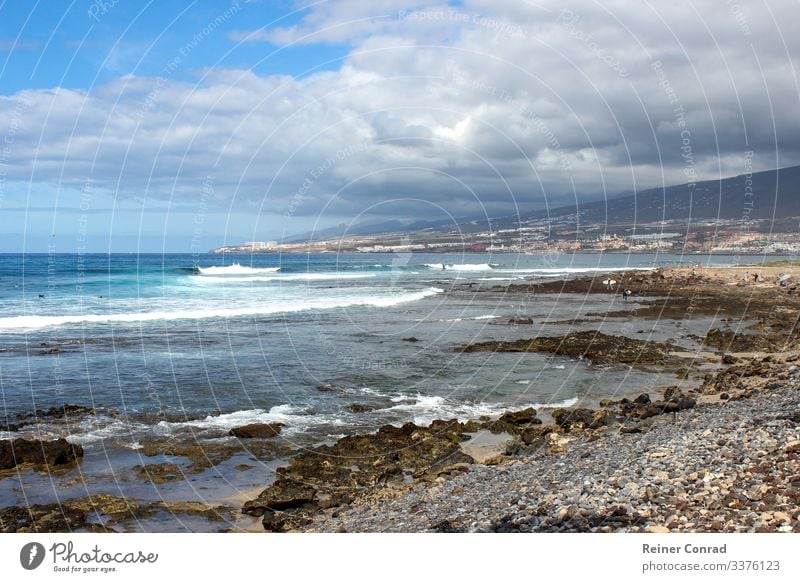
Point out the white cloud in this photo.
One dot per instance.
(510, 99)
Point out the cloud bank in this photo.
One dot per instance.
(489, 107)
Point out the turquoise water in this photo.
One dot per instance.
(258, 335)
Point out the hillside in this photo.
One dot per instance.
(775, 193)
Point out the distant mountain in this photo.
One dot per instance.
(775, 194)
(368, 228)
(769, 195)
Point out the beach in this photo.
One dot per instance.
(687, 420)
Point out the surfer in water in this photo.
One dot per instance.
(626, 293)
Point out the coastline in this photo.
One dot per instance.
(435, 478)
(724, 456)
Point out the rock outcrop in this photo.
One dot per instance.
(50, 453)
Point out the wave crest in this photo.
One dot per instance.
(235, 269)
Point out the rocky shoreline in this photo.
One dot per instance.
(696, 461)
(720, 455)
(733, 466)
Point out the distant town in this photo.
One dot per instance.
(559, 234)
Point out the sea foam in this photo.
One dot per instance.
(236, 269)
(261, 308)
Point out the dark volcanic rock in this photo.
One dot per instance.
(672, 394)
(64, 411)
(411, 339)
(52, 518)
(283, 521)
(642, 399)
(597, 347)
(50, 453)
(728, 340)
(535, 435)
(284, 494)
(520, 417)
(357, 464)
(358, 408)
(257, 431)
(569, 418)
(655, 409)
(513, 422)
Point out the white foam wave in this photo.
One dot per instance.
(114, 429)
(236, 269)
(457, 319)
(460, 267)
(293, 277)
(425, 409)
(556, 404)
(264, 308)
(285, 413)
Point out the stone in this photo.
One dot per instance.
(284, 494)
(359, 408)
(520, 417)
(257, 431)
(568, 418)
(535, 435)
(283, 521)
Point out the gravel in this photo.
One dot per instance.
(728, 467)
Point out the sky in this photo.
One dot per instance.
(181, 126)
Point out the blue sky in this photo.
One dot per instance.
(79, 44)
(129, 126)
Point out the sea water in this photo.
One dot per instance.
(188, 347)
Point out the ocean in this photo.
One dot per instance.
(328, 345)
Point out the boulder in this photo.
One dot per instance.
(283, 521)
(257, 431)
(283, 494)
(655, 409)
(603, 418)
(568, 418)
(520, 417)
(672, 394)
(535, 435)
